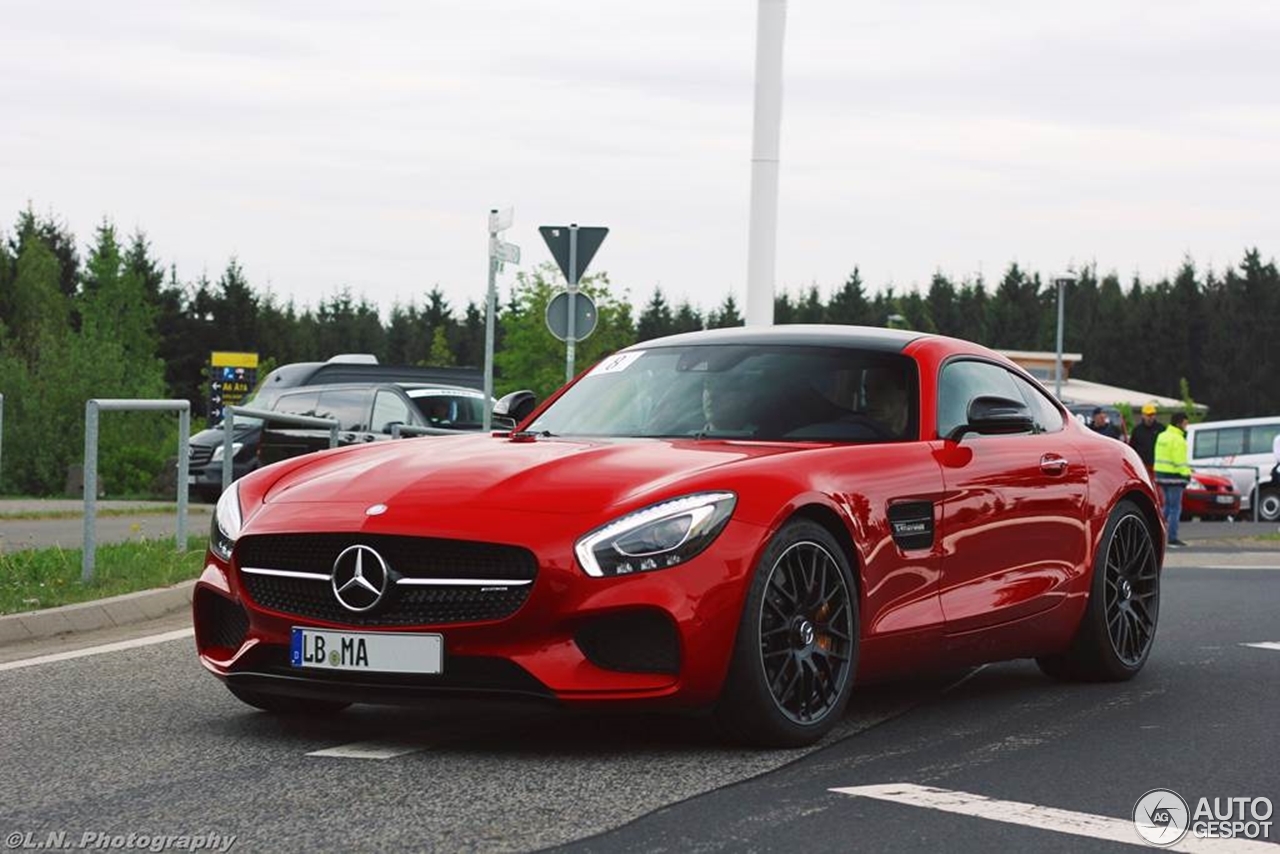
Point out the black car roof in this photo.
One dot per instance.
(797, 334)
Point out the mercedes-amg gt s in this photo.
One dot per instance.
(746, 520)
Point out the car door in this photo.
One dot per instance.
(1013, 519)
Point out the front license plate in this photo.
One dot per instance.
(376, 652)
(1225, 499)
(191, 480)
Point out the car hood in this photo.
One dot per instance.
(547, 475)
(1215, 480)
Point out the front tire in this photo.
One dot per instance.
(284, 705)
(1269, 504)
(1119, 624)
(796, 651)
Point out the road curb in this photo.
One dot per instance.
(120, 610)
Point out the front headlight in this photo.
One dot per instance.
(217, 451)
(1195, 484)
(225, 528)
(656, 537)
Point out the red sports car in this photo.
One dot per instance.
(747, 520)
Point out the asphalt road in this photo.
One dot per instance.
(157, 522)
(142, 740)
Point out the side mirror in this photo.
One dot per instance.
(515, 407)
(990, 415)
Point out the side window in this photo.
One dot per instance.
(1261, 437)
(348, 406)
(961, 382)
(1205, 445)
(1048, 417)
(1230, 441)
(389, 409)
(301, 403)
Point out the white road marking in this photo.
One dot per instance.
(1252, 567)
(368, 750)
(133, 643)
(1042, 818)
(1264, 645)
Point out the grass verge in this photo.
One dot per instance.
(30, 515)
(44, 578)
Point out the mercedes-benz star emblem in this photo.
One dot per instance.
(360, 578)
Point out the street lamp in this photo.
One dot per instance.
(1061, 282)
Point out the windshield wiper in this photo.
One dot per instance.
(533, 434)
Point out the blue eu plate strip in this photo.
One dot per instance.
(295, 648)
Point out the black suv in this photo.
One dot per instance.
(368, 414)
(205, 448)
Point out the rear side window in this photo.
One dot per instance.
(349, 407)
(1219, 442)
(1261, 437)
(299, 403)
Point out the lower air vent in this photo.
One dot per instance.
(220, 621)
(638, 642)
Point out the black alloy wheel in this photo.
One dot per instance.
(806, 632)
(796, 651)
(1131, 590)
(1118, 627)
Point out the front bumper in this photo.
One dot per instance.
(1205, 503)
(661, 637)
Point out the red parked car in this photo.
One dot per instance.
(748, 520)
(1210, 496)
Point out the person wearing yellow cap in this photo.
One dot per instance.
(1143, 437)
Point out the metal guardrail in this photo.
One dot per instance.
(402, 431)
(266, 415)
(1257, 481)
(91, 412)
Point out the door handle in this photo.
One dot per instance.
(1053, 464)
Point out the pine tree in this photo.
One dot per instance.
(656, 321)
(726, 315)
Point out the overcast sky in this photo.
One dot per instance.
(362, 144)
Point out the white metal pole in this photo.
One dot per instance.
(571, 339)
(491, 302)
(1057, 372)
(762, 237)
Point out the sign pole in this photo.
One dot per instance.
(572, 338)
(490, 305)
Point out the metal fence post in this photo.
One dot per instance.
(92, 408)
(90, 488)
(184, 468)
(228, 432)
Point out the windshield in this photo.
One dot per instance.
(776, 393)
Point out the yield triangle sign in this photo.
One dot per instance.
(588, 241)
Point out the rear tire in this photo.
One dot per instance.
(284, 705)
(1119, 624)
(796, 651)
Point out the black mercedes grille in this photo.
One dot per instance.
(415, 557)
(411, 557)
(198, 455)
